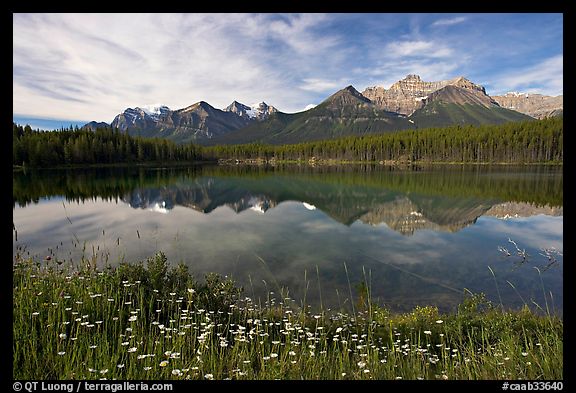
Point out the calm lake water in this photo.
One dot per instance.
(418, 236)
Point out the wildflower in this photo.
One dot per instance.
(343, 374)
(273, 355)
(163, 363)
(191, 290)
(366, 371)
(266, 358)
(361, 364)
(133, 349)
(524, 354)
(132, 318)
(35, 313)
(147, 368)
(120, 365)
(382, 360)
(125, 343)
(62, 336)
(528, 363)
(398, 378)
(93, 346)
(61, 353)
(428, 332)
(104, 371)
(209, 376)
(444, 376)
(338, 330)
(176, 372)
(439, 321)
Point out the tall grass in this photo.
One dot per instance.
(150, 321)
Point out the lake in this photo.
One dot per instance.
(416, 236)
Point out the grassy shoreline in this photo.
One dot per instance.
(148, 321)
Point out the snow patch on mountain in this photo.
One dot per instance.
(154, 109)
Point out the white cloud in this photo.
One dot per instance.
(418, 48)
(320, 85)
(450, 21)
(68, 65)
(546, 77)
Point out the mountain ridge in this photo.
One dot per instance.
(409, 103)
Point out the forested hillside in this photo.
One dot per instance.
(520, 142)
(530, 141)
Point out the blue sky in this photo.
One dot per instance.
(93, 66)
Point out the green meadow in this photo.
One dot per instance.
(151, 320)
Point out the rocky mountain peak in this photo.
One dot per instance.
(259, 111)
(409, 94)
(412, 77)
(535, 105)
(351, 91)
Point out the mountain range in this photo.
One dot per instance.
(408, 104)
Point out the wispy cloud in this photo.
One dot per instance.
(71, 66)
(321, 85)
(418, 48)
(450, 21)
(545, 77)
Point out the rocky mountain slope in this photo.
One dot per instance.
(409, 94)
(190, 124)
(535, 105)
(348, 112)
(259, 111)
(195, 123)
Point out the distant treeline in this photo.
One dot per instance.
(103, 146)
(517, 142)
(514, 142)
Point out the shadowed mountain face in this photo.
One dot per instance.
(406, 201)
